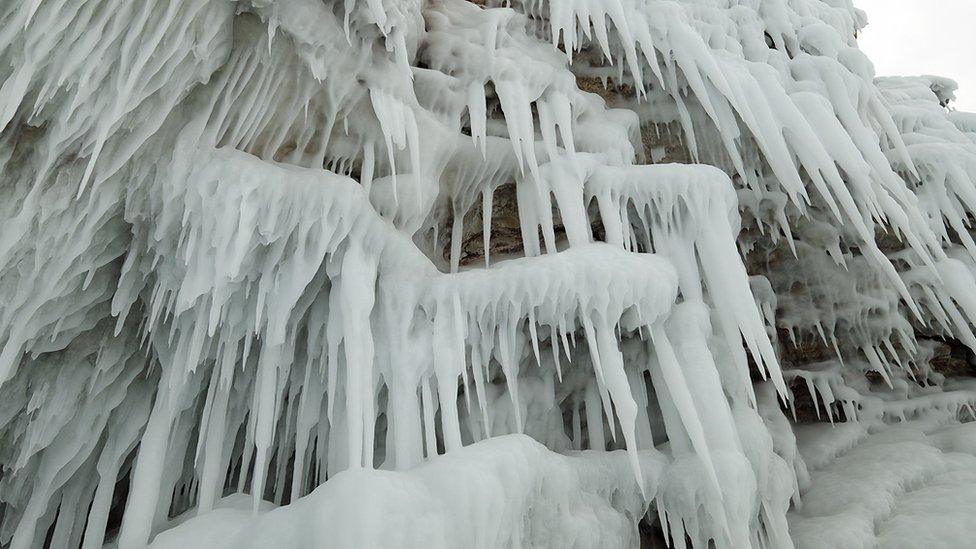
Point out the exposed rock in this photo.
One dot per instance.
(953, 359)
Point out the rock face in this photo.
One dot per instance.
(953, 359)
(395, 273)
(505, 232)
(661, 143)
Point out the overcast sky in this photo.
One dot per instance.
(912, 37)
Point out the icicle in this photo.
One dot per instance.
(683, 402)
(486, 199)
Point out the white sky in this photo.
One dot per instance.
(912, 37)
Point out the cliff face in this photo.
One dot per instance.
(446, 273)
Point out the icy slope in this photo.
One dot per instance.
(231, 263)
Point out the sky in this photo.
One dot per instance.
(912, 37)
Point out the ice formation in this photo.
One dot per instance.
(253, 291)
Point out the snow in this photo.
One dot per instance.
(507, 491)
(903, 486)
(234, 293)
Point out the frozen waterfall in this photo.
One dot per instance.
(486, 273)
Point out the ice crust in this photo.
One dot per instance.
(231, 263)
